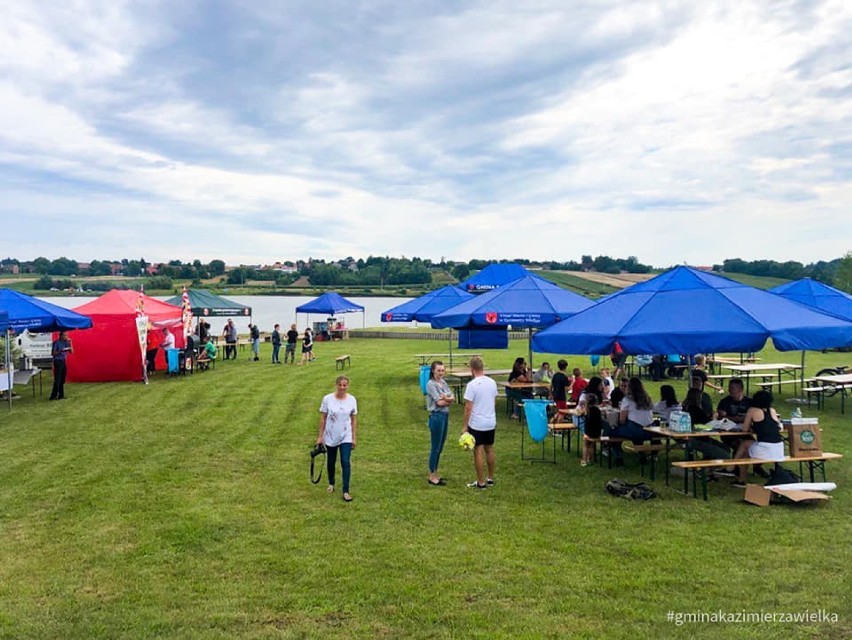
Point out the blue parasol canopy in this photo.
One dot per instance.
(817, 296)
(330, 303)
(530, 301)
(493, 276)
(685, 310)
(426, 306)
(27, 312)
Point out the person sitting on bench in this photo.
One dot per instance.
(207, 355)
(761, 420)
(636, 413)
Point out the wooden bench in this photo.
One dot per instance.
(202, 363)
(564, 429)
(817, 391)
(650, 452)
(602, 443)
(340, 362)
(768, 384)
(699, 467)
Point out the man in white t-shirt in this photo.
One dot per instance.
(480, 420)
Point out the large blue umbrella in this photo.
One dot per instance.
(530, 302)
(493, 276)
(817, 296)
(426, 306)
(685, 310)
(422, 309)
(26, 312)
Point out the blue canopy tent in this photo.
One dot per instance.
(422, 309)
(493, 276)
(330, 304)
(530, 302)
(689, 311)
(817, 296)
(26, 312)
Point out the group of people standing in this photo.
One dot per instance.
(292, 338)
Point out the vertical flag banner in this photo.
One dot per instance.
(187, 313)
(142, 329)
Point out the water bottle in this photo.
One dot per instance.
(797, 413)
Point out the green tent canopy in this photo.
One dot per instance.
(205, 304)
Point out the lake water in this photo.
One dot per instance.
(268, 310)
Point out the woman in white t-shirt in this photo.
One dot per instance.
(337, 431)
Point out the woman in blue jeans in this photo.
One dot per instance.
(636, 413)
(337, 431)
(439, 397)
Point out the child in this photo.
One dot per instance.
(594, 426)
(579, 384)
(609, 385)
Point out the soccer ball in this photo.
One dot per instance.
(466, 441)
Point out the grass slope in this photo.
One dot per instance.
(183, 509)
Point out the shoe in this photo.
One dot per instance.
(441, 482)
(330, 489)
(584, 463)
(489, 482)
(476, 485)
(347, 497)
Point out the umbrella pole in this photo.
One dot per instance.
(450, 345)
(529, 345)
(8, 360)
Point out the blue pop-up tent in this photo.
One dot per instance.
(329, 304)
(424, 308)
(529, 302)
(493, 276)
(817, 296)
(689, 311)
(26, 312)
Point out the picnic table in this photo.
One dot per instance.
(712, 361)
(426, 358)
(762, 371)
(840, 382)
(677, 436)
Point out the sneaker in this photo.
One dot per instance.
(489, 482)
(476, 485)
(584, 463)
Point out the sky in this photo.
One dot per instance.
(260, 131)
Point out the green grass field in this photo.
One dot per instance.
(183, 509)
(584, 287)
(760, 282)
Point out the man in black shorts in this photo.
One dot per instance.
(480, 420)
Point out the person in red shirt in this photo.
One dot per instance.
(579, 385)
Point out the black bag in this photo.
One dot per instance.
(622, 489)
(780, 475)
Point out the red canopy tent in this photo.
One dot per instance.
(110, 350)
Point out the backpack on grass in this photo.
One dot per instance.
(622, 489)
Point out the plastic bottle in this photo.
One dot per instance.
(797, 413)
